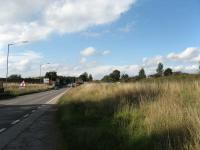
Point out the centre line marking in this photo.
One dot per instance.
(26, 115)
(3, 129)
(57, 97)
(15, 122)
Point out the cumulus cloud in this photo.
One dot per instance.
(88, 51)
(23, 63)
(27, 64)
(98, 71)
(187, 54)
(190, 54)
(91, 51)
(106, 52)
(153, 60)
(35, 20)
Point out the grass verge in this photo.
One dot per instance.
(14, 90)
(135, 116)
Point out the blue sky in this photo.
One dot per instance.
(132, 35)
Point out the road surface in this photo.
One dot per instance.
(19, 113)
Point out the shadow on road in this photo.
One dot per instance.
(43, 133)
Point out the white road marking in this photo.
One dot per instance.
(15, 122)
(26, 115)
(56, 98)
(3, 129)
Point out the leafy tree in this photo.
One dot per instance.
(90, 78)
(115, 75)
(125, 77)
(51, 75)
(142, 73)
(84, 77)
(66, 80)
(70, 79)
(159, 70)
(168, 72)
(15, 76)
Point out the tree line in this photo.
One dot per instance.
(116, 75)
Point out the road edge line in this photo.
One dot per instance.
(11, 133)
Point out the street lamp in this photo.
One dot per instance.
(10, 44)
(41, 70)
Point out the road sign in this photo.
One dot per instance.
(46, 80)
(23, 84)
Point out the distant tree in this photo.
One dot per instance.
(142, 73)
(168, 72)
(84, 77)
(90, 78)
(70, 79)
(106, 78)
(115, 75)
(15, 76)
(125, 77)
(159, 69)
(51, 75)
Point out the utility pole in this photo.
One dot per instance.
(8, 52)
(41, 71)
(7, 64)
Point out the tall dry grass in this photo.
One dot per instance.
(15, 89)
(149, 115)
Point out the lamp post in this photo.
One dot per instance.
(41, 71)
(8, 52)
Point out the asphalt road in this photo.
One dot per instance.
(15, 110)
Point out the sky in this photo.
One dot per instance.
(98, 36)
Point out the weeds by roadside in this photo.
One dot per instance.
(136, 116)
(13, 89)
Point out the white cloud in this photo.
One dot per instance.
(106, 52)
(183, 61)
(154, 60)
(98, 71)
(27, 64)
(190, 54)
(187, 54)
(88, 51)
(91, 51)
(24, 63)
(35, 20)
(196, 58)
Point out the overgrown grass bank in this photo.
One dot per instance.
(139, 116)
(15, 90)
